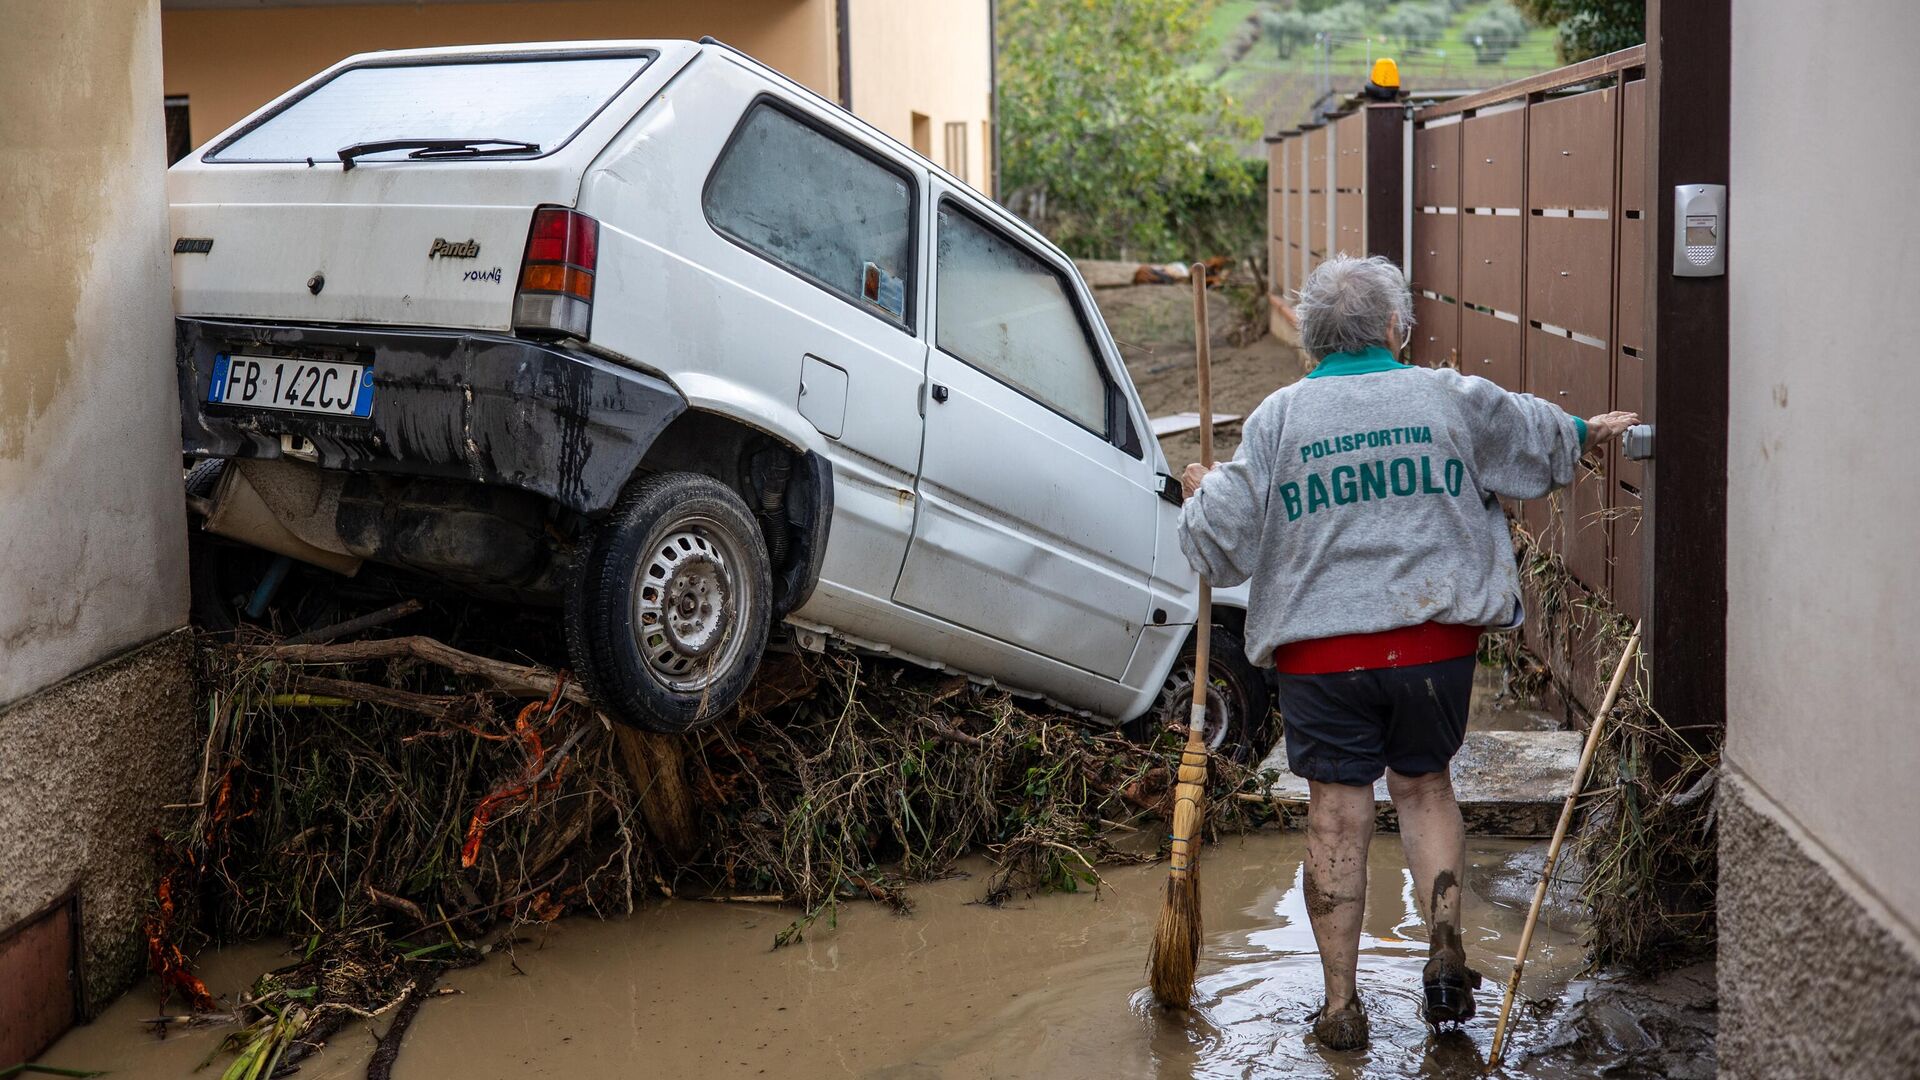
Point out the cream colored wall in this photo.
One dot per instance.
(932, 57)
(228, 62)
(92, 549)
(1823, 620)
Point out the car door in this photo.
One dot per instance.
(1036, 521)
(821, 301)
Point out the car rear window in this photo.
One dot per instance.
(545, 101)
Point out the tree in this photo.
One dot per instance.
(1344, 20)
(1591, 28)
(1417, 26)
(1108, 136)
(1287, 28)
(1495, 32)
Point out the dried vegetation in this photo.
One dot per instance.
(397, 807)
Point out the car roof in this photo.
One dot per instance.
(974, 197)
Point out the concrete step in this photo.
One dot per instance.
(1509, 783)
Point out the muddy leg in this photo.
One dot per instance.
(1436, 840)
(1339, 827)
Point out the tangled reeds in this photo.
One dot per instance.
(397, 807)
(1645, 847)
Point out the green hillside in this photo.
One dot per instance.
(1246, 63)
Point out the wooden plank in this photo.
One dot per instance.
(1686, 535)
(1490, 348)
(1386, 183)
(1436, 253)
(38, 980)
(1545, 82)
(1492, 159)
(1490, 266)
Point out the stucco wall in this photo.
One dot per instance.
(228, 61)
(92, 555)
(1822, 688)
(931, 57)
(92, 550)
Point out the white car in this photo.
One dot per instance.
(651, 330)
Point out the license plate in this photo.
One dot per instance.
(284, 382)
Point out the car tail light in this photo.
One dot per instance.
(556, 276)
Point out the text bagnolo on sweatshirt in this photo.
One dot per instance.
(1365, 497)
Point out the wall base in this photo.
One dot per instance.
(85, 767)
(1813, 982)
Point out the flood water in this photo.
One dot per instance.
(1050, 986)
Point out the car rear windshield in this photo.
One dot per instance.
(544, 101)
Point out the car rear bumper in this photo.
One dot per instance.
(475, 406)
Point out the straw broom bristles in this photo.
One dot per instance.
(1175, 951)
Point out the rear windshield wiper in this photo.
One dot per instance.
(429, 149)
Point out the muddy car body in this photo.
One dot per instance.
(647, 327)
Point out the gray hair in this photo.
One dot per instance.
(1348, 305)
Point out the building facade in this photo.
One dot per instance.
(920, 70)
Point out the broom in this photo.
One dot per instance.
(1175, 951)
(1553, 848)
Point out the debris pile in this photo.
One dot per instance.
(396, 807)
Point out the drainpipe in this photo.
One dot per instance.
(993, 81)
(846, 55)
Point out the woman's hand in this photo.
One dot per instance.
(1606, 427)
(1191, 476)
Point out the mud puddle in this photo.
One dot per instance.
(1051, 986)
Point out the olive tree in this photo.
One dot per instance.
(1111, 141)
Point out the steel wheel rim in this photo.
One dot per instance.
(688, 593)
(1176, 700)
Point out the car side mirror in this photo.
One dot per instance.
(1170, 489)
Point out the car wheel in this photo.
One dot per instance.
(1239, 702)
(668, 613)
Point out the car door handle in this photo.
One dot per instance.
(939, 393)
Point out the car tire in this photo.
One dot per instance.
(1239, 700)
(668, 611)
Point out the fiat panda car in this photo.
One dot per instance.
(647, 330)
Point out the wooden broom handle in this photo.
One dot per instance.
(1499, 1047)
(1203, 624)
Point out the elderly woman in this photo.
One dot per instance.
(1364, 507)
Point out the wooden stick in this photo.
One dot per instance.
(1553, 848)
(519, 679)
(353, 626)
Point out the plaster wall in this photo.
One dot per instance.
(96, 718)
(931, 57)
(229, 61)
(93, 552)
(1822, 508)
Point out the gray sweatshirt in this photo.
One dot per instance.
(1365, 498)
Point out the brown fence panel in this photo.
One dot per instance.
(1436, 253)
(1490, 348)
(1492, 165)
(1436, 331)
(1436, 166)
(1350, 222)
(1570, 151)
(1350, 152)
(1570, 273)
(1491, 247)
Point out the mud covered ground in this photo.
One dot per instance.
(1046, 986)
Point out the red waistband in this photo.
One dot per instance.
(1427, 643)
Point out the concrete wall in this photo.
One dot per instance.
(931, 57)
(1822, 685)
(229, 61)
(92, 555)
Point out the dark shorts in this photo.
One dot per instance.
(1350, 727)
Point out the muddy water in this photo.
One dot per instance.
(1046, 987)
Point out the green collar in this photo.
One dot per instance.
(1374, 359)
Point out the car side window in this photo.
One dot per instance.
(1003, 310)
(816, 206)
